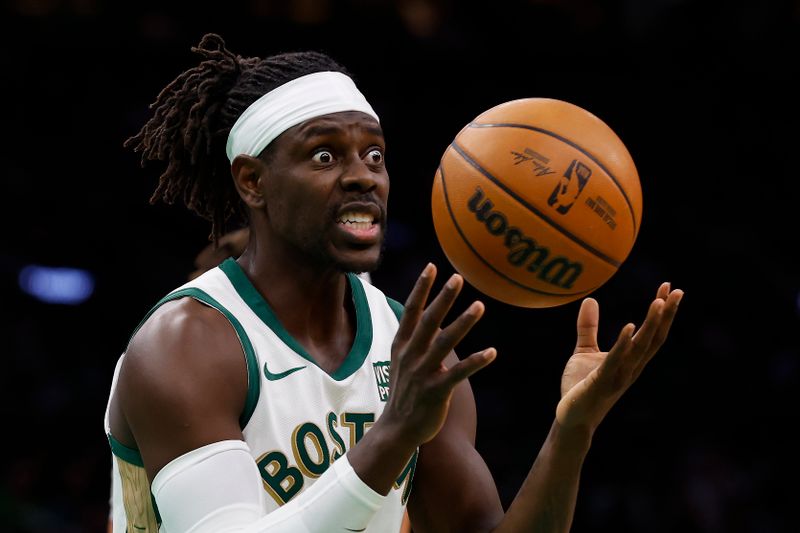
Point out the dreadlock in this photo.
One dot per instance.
(193, 116)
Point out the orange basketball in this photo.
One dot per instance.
(536, 202)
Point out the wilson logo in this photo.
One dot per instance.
(524, 252)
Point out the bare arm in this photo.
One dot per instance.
(182, 385)
(453, 488)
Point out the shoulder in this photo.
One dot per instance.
(182, 383)
(182, 345)
(179, 323)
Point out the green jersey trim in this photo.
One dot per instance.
(132, 456)
(129, 455)
(397, 307)
(253, 375)
(256, 302)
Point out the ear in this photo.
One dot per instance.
(247, 173)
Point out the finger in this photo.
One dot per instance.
(448, 338)
(432, 317)
(663, 290)
(617, 352)
(644, 336)
(588, 320)
(415, 303)
(467, 367)
(670, 309)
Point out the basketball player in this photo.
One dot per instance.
(279, 391)
(231, 244)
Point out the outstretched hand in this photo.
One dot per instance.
(421, 386)
(593, 380)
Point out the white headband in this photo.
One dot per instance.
(288, 105)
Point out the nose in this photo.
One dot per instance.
(359, 177)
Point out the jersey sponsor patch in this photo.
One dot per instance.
(382, 378)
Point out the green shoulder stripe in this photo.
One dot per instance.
(396, 306)
(129, 455)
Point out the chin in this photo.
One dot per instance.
(364, 262)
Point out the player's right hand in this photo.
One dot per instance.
(420, 384)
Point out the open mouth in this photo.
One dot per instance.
(361, 222)
(356, 221)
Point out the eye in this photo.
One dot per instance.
(375, 157)
(323, 157)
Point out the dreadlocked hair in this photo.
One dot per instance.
(193, 116)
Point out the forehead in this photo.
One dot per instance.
(337, 123)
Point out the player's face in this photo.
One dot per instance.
(327, 190)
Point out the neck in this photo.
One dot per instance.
(312, 301)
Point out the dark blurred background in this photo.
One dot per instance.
(704, 95)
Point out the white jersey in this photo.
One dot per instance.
(297, 419)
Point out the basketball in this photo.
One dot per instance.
(536, 202)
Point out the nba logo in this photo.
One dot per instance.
(568, 189)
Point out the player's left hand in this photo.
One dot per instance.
(593, 381)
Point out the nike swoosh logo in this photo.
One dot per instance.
(362, 529)
(280, 375)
